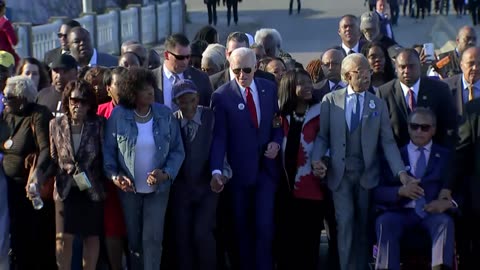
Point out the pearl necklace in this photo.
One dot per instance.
(300, 118)
(143, 116)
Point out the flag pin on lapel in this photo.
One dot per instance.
(241, 106)
(437, 155)
(372, 104)
(424, 97)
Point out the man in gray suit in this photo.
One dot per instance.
(354, 126)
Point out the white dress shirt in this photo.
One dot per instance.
(347, 49)
(351, 104)
(168, 80)
(413, 155)
(232, 75)
(416, 89)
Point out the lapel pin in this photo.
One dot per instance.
(372, 104)
(263, 90)
(424, 97)
(437, 155)
(241, 106)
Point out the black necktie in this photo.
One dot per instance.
(351, 51)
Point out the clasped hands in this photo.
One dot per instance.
(154, 177)
(412, 190)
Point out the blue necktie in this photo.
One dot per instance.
(420, 168)
(355, 118)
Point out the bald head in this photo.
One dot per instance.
(466, 38)
(331, 65)
(80, 44)
(125, 44)
(470, 64)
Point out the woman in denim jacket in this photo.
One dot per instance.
(143, 153)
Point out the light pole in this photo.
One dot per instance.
(87, 6)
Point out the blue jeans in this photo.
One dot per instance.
(4, 222)
(145, 219)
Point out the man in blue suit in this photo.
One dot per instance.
(417, 204)
(247, 131)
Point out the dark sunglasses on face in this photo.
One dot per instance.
(179, 57)
(60, 35)
(236, 71)
(74, 101)
(422, 127)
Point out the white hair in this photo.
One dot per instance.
(350, 61)
(215, 54)
(262, 33)
(244, 53)
(22, 87)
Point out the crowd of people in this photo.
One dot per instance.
(235, 156)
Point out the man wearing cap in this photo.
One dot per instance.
(64, 69)
(63, 38)
(192, 202)
(370, 27)
(7, 65)
(81, 48)
(248, 132)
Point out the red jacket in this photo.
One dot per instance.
(307, 186)
(8, 38)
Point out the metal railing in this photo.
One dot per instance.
(148, 24)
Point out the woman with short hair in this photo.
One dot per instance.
(143, 153)
(32, 232)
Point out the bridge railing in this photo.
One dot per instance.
(148, 24)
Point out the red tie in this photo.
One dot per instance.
(251, 106)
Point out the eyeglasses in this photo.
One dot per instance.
(247, 70)
(179, 57)
(333, 64)
(422, 127)
(75, 101)
(60, 35)
(362, 71)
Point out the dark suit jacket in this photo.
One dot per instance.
(106, 60)
(361, 42)
(51, 55)
(198, 77)
(385, 195)
(223, 76)
(384, 23)
(432, 94)
(456, 86)
(320, 89)
(467, 157)
(235, 135)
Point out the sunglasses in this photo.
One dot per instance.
(179, 57)
(60, 35)
(74, 101)
(422, 127)
(236, 71)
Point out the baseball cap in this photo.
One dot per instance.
(6, 59)
(183, 87)
(369, 20)
(64, 61)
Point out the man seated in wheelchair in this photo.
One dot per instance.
(418, 204)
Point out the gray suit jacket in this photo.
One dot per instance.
(376, 132)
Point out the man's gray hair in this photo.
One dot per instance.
(215, 54)
(22, 87)
(244, 53)
(263, 33)
(350, 61)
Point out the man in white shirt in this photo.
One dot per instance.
(349, 32)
